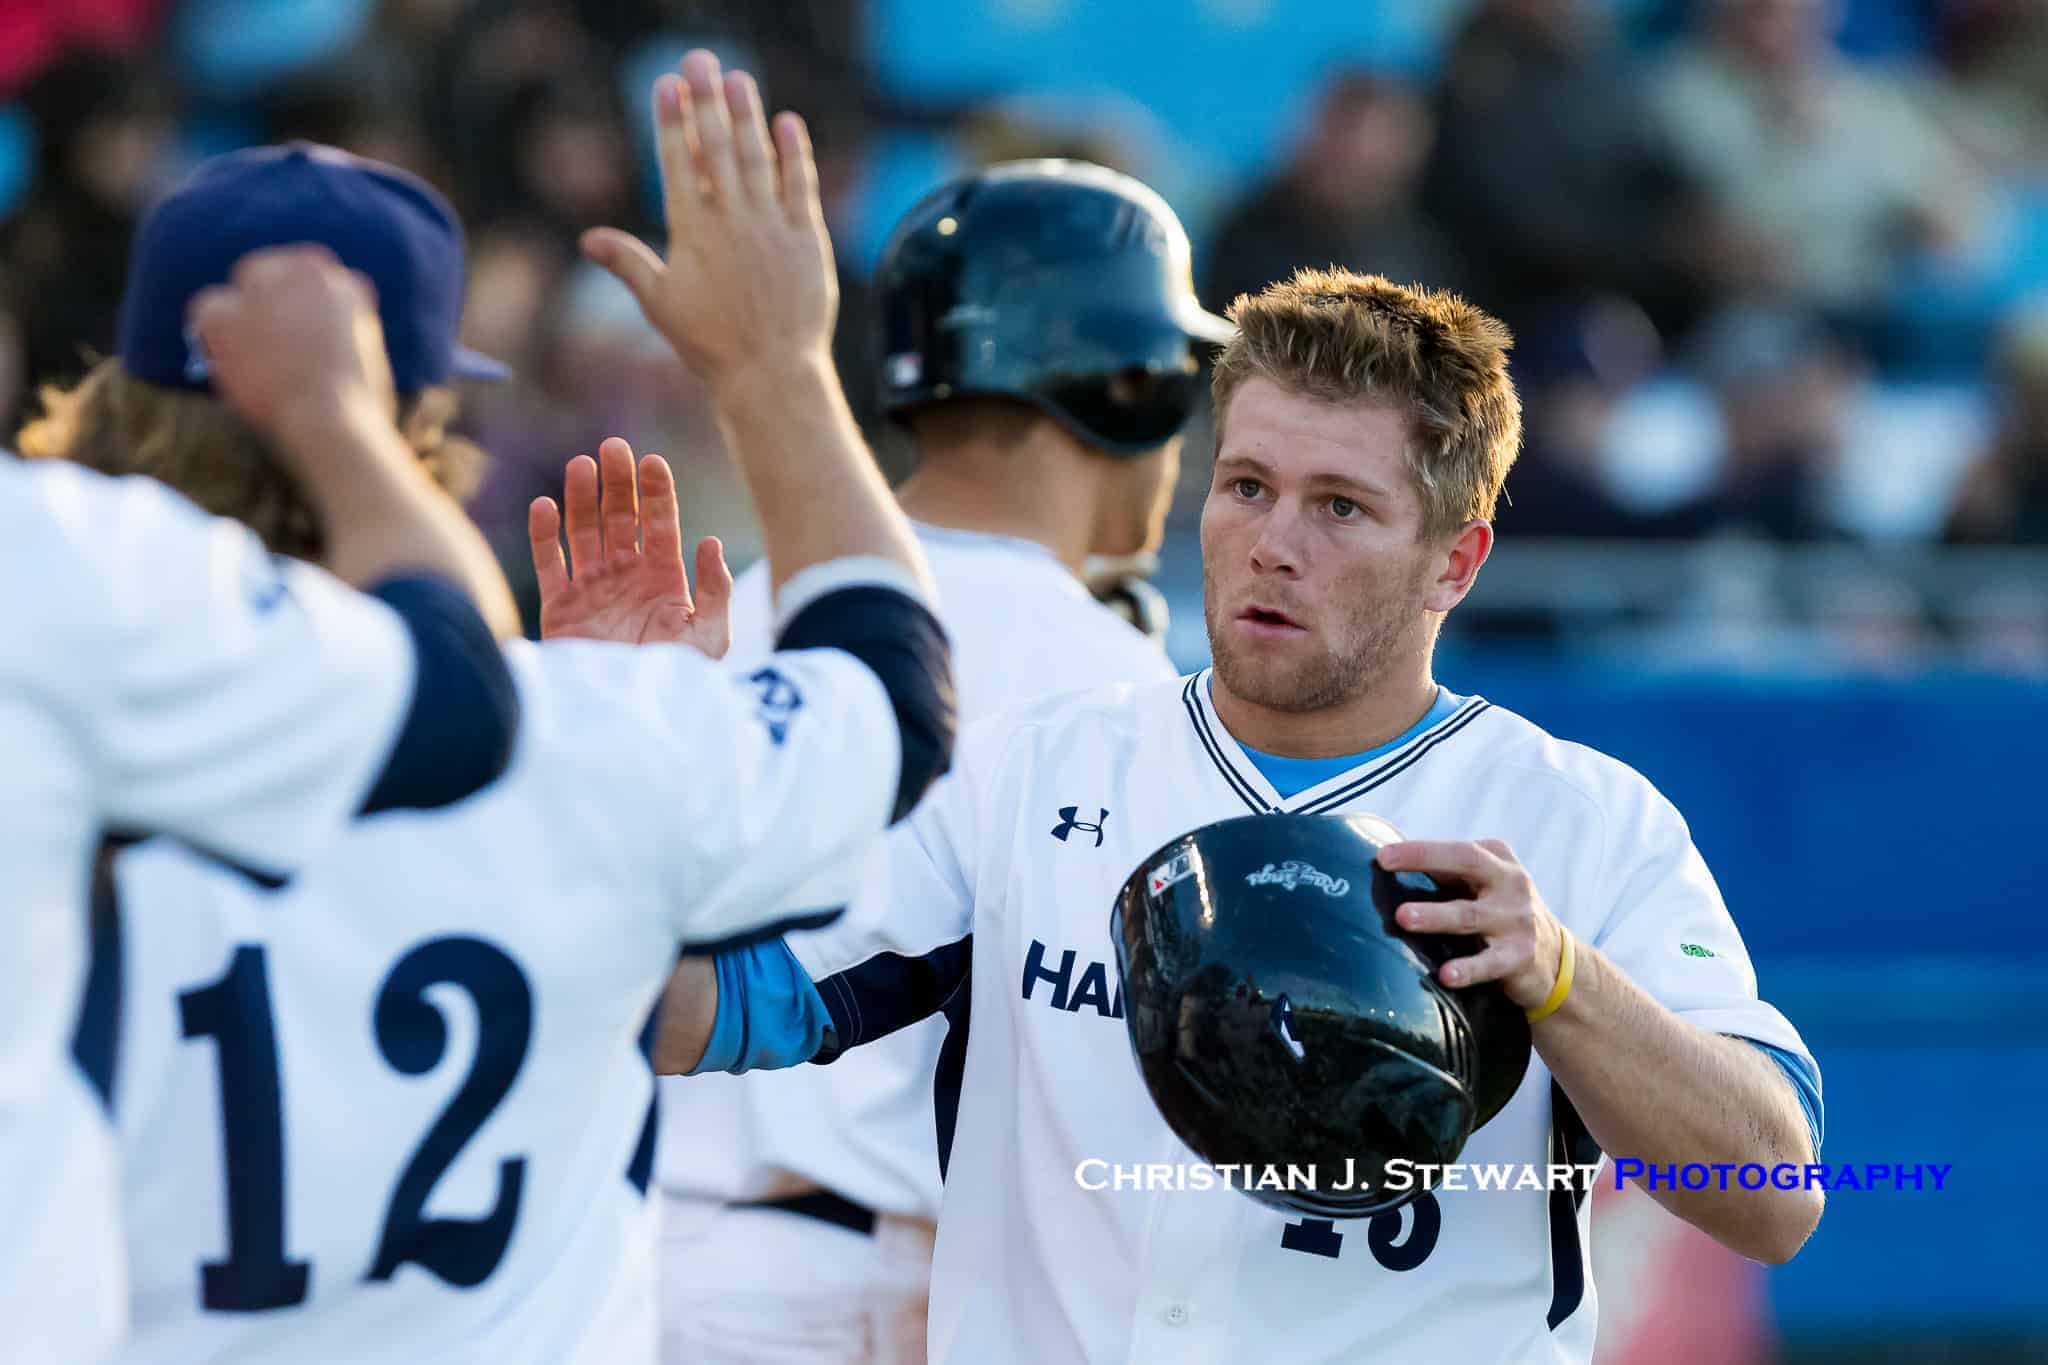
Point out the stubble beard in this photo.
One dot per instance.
(1372, 642)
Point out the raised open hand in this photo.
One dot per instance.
(627, 553)
(749, 274)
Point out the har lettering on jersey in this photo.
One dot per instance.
(1294, 874)
(1071, 991)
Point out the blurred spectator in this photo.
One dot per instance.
(1784, 384)
(558, 155)
(1833, 168)
(36, 33)
(2004, 630)
(1020, 129)
(1571, 370)
(1345, 198)
(598, 370)
(13, 370)
(104, 124)
(1548, 174)
(1991, 88)
(483, 60)
(2004, 497)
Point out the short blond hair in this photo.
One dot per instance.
(1343, 337)
(117, 424)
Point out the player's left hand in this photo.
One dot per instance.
(626, 551)
(1524, 941)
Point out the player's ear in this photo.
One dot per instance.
(1458, 568)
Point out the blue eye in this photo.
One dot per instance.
(1342, 508)
(1246, 488)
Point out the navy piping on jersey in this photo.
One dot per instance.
(952, 1066)
(96, 1034)
(1248, 793)
(1394, 765)
(1399, 764)
(641, 1167)
(464, 718)
(902, 643)
(1571, 1143)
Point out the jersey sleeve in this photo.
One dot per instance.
(756, 797)
(1669, 930)
(905, 946)
(244, 703)
(922, 896)
(753, 618)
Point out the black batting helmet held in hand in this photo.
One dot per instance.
(1281, 1018)
(1062, 283)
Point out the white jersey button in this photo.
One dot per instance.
(1176, 1314)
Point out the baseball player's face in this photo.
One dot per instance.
(1315, 577)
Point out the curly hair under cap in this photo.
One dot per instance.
(1344, 337)
(117, 424)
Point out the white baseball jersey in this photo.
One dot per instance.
(159, 671)
(996, 869)
(1023, 628)
(400, 1109)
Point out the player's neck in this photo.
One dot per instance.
(1383, 712)
(965, 494)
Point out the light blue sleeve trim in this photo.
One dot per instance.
(769, 1017)
(1805, 1078)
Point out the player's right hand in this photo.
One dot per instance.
(749, 275)
(627, 555)
(294, 332)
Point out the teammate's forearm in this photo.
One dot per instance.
(384, 516)
(1651, 1086)
(815, 485)
(689, 1008)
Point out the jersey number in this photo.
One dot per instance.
(1319, 1236)
(412, 1035)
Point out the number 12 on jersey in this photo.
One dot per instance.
(412, 1037)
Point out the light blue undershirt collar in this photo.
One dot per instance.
(1292, 776)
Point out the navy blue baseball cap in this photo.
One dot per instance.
(391, 226)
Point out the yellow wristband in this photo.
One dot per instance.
(1563, 986)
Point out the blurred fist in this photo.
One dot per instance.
(293, 330)
(749, 277)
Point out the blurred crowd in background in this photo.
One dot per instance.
(1777, 269)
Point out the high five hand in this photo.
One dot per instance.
(749, 273)
(627, 554)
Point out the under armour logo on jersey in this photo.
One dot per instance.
(780, 701)
(1069, 823)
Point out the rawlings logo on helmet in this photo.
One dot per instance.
(1294, 873)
